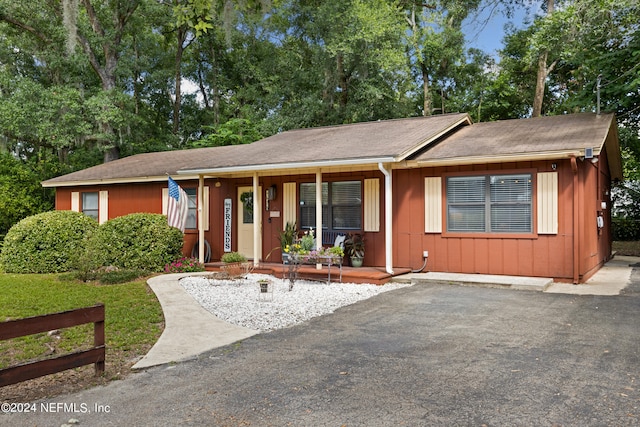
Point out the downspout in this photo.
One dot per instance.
(388, 218)
(576, 222)
(201, 219)
(257, 208)
(318, 213)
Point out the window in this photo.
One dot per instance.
(341, 205)
(489, 204)
(192, 211)
(90, 204)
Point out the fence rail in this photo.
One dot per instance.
(37, 324)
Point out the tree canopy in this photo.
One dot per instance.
(88, 81)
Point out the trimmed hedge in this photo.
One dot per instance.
(626, 229)
(141, 241)
(49, 242)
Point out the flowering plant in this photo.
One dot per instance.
(184, 265)
(304, 249)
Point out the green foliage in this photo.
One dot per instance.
(232, 132)
(626, 229)
(288, 235)
(137, 241)
(20, 192)
(45, 243)
(231, 257)
(120, 276)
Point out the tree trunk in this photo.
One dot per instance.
(428, 102)
(543, 72)
(181, 34)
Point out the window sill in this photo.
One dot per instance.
(471, 235)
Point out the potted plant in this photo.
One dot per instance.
(287, 237)
(235, 265)
(354, 245)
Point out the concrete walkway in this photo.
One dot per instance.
(191, 330)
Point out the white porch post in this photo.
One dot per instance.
(257, 208)
(318, 212)
(388, 218)
(201, 218)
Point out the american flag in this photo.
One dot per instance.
(178, 206)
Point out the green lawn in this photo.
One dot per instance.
(133, 318)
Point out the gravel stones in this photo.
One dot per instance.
(239, 301)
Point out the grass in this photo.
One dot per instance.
(627, 248)
(133, 317)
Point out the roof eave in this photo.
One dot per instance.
(520, 157)
(109, 181)
(285, 166)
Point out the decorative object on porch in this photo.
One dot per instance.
(236, 265)
(302, 252)
(354, 244)
(287, 237)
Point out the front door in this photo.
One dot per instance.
(246, 205)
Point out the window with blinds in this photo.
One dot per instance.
(490, 203)
(341, 205)
(90, 204)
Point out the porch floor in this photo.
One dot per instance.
(373, 275)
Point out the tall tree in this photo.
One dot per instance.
(543, 70)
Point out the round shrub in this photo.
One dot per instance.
(49, 242)
(140, 241)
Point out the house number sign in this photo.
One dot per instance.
(227, 224)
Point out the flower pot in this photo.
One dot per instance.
(356, 261)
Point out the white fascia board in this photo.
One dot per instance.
(548, 155)
(285, 166)
(110, 181)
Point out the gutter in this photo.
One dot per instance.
(547, 155)
(285, 166)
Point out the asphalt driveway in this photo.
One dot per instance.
(423, 355)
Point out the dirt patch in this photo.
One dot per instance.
(118, 366)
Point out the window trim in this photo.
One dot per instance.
(489, 234)
(84, 210)
(329, 218)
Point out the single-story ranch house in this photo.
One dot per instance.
(524, 197)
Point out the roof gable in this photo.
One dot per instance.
(541, 137)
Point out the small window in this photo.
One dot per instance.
(490, 204)
(90, 204)
(192, 211)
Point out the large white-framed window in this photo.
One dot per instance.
(341, 205)
(500, 203)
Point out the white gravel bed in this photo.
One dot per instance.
(239, 301)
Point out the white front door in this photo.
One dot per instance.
(246, 204)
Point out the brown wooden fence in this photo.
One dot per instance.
(48, 322)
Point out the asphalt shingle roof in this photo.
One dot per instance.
(422, 139)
